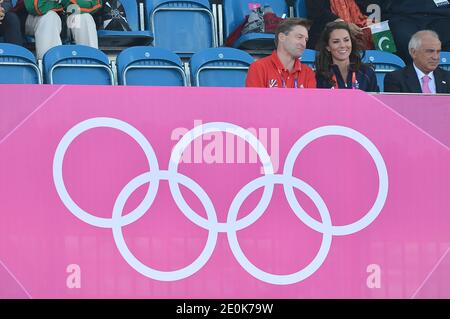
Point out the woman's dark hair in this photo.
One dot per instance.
(324, 59)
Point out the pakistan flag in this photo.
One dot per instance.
(382, 37)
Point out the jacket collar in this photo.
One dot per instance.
(280, 67)
(412, 81)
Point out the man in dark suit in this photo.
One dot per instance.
(423, 75)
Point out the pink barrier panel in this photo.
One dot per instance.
(138, 192)
(430, 113)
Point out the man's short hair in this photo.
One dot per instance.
(416, 40)
(286, 26)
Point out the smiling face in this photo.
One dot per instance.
(340, 45)
(426, 57)
(294, 43)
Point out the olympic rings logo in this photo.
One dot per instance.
(232, 225)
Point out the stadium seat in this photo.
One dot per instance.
(383, 63)
(18, 65)
(225, 67)
(309, 57)
(150, 66)
(111, 38)
(300, 9)
(234, 12)
(445, 61)
(76, 64)
(182, 26)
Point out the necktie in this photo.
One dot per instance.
(425, 81)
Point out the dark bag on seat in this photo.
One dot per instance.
(114, 16)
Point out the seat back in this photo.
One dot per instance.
(111, 39)
(445, 61)
(234, 12)
(309, 57)
(220, 67)
(77, 64)
(182, 26)
(383, 63)
(142, 65)
(18, 65)
(300, 9)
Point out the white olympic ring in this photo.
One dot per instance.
(268, 181)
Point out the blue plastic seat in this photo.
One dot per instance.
(18, 65)
(234, 12)
(300, 9)
(182, 26)
(76, 64)
(220, 67)
(383, 63)
(136, 36)
(445, 61)
(309, 57)
(150, 66)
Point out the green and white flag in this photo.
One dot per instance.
(382, 37)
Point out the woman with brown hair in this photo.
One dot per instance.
(338, 61)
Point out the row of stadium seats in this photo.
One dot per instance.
(145, 65)
(139, 65)
(188, 26)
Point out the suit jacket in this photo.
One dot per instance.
(406, 81)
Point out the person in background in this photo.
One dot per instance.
(354, 12)
(283, 68)
(338, 61)
(406, 17)
(44, 22)
(423, 75)
(9, 24)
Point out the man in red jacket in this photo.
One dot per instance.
(283, 69)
